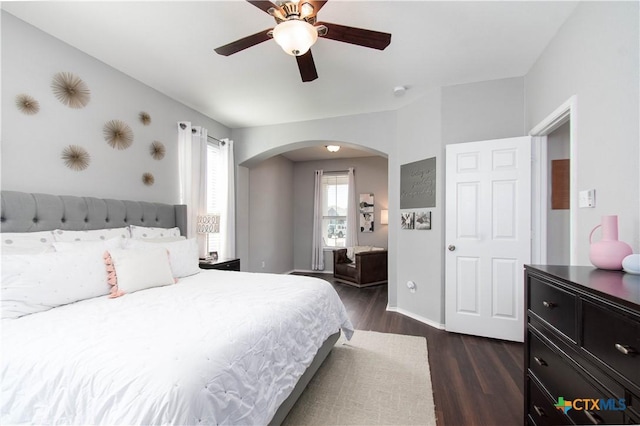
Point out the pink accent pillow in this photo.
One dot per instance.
(112, 278)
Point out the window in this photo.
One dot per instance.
(213, 190)
(335, 194)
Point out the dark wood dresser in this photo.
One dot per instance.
(582, 346)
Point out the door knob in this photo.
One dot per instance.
(451, 247)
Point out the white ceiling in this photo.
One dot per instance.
(169, 46)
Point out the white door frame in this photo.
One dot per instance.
(565, 112)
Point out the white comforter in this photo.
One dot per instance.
(217, 348)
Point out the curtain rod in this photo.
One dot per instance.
(216, 139)
(184, 126)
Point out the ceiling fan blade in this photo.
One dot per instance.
(243, 43)
(307, 67)
(359, 36)
(263, 5)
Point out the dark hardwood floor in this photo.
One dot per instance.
(475, 380)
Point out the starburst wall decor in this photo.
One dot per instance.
(145, 118)
(157, 150)
(27, 104)
(76, 157)
(70, 90)
(148, 179)
(118, 134)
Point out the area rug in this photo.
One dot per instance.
(374, 379)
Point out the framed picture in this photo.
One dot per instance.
(366, 212)
(406, 220)
(423, 220)
(366, 222)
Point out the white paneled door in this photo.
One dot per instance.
(488, 223)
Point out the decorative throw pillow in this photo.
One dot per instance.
(142, 232)
(91, 235)
(183, 254)
(36, 283)
(134, 269)
(27, 242)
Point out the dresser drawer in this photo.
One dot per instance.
(614, 339)
(562, 379)
(556, 306)
(541, 410)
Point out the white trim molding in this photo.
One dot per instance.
(568, 111)
(423, 320)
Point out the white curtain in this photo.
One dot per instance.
(352, 212)
(317, 253)
(228, 202)
(192, 168)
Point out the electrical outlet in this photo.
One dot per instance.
(263, 264)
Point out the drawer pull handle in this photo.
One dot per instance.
(539, 411)
(541, 362)
(593, 417)
(625, 349)
(549, 305)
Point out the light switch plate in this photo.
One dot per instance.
(587, 198)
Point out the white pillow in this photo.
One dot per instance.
(134, 269)
(35, 283)
(104, 245)
(27, 242)
(141, 232)
(352, 251)
(91, 235)
(183, 254)
(161, 239)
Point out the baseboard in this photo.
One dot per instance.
(423, 320)
(306, 271)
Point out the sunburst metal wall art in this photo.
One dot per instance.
(71, 90)
(145, 118)
(148, 179)
(76, 157)
(157, 150)
(27, 104)
(118, 134)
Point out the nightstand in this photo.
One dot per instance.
(222, 264)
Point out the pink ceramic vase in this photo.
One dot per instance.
(608, 252)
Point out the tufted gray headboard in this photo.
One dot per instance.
(26, 212)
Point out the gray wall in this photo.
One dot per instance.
(271, 216)
(483, 111)
(557, 220)
(595, 56)
(371, 177)
(32, 144)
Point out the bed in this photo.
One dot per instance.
(217, 347)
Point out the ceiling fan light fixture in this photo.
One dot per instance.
(333, 148)
(295, 36)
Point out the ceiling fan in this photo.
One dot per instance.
(297, 30)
